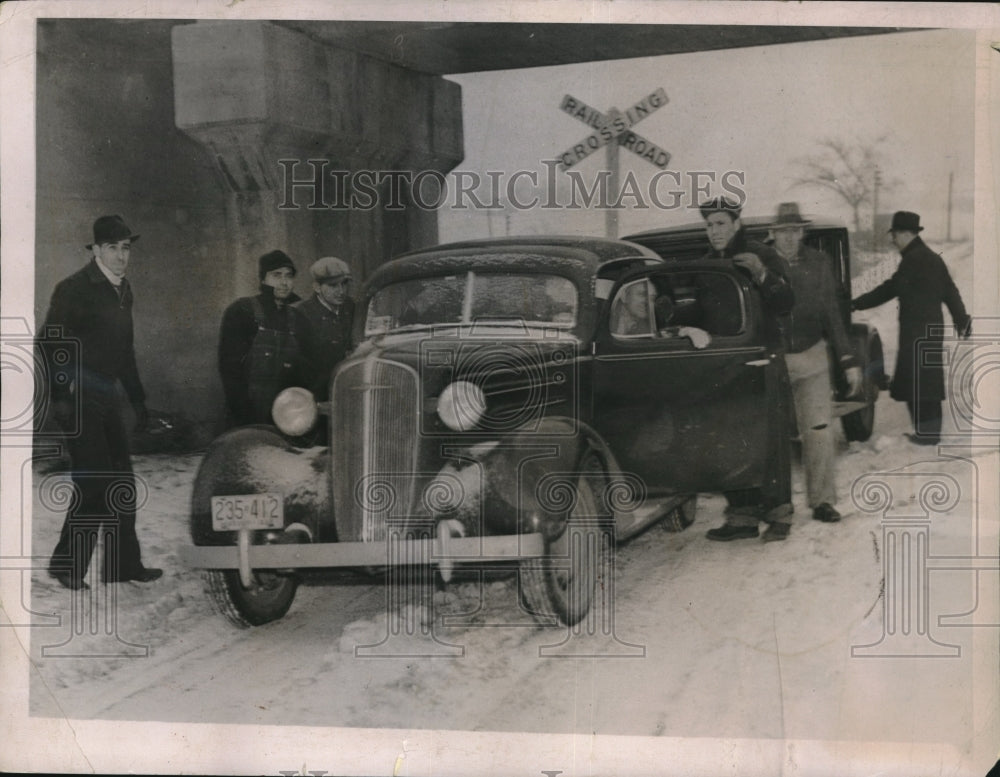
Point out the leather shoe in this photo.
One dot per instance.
(776, 532)
(144, 575)
(923, 439)
(826, 513)
(729, 531)
(66, 580)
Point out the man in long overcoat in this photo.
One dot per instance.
(93, 309)
(922, 284)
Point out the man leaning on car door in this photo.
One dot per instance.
(772, 501)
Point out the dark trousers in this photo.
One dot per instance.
(926, 418)
(104, 498)
(776, 489)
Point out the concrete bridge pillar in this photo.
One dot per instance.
(255, 93)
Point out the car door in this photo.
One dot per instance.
(683, 414)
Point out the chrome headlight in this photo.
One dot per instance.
(461, 405)
(294, 411)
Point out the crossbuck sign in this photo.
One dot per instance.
(614, 126)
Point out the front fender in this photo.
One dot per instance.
(258, 459)
(500, 485)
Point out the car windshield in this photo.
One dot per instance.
(473, 298)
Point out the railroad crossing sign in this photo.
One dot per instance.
(614, 126)
(611, 131)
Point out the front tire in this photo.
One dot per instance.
(267, 600)
(561, 586)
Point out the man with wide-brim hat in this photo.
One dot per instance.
(771, 502)
(814, 327)
(922, 284)
(92, 310)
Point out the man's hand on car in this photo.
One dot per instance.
(751, 263)
(699, 337)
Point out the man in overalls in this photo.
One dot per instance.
(261, 349)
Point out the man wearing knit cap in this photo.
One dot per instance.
(262, 344)
(330, 313)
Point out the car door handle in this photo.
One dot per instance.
(758, 363)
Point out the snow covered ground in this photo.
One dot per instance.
(737, 641)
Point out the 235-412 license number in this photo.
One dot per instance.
(247, 511)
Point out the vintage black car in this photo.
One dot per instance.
(530, 400)
(857, 414)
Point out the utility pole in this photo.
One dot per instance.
(611, 215)
(951, 181)
(875, 235)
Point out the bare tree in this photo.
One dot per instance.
(854, 170)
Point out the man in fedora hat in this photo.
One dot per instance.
(330, 313)
(772, 502)
(262, 344)
(93, 307)
(814, 326)
(922, 284)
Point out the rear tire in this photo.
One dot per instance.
(267, 600)
(681, 516)
(859, 425)
(560, 586)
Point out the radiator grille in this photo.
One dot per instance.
(375, 422)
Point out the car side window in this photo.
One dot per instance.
(679, 305)
(711, 301)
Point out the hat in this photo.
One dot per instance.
(720, 205)
(789, 216)
(330, 268)
(904, 221)
(111, 229)
(274, 260)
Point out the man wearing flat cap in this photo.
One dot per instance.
(93, 309)
(263, 341)
(922, 284)
(330, 313)
(772, 502)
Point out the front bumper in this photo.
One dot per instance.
(392, 552)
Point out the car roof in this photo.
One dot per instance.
(689, 240)
(578, 257)
(753, 223)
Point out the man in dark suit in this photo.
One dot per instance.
(93, 307)
(922, 284)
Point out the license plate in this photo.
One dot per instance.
(247, 511)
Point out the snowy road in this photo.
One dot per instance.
(734, 639)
